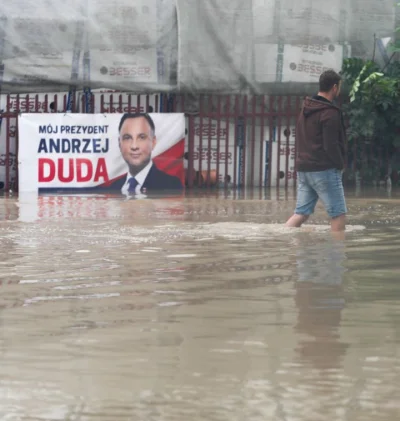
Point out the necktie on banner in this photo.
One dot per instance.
(133, 183)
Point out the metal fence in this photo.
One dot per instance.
(237, 141)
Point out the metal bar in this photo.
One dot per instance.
(138, 107)
(120, 104)
(54, 104)
(27, 104)
(111, 107)
(279, 130)
(209, 148)
(261, 157)
(191, 152)
(271, 138)
(16, 153)
(288, 146)
(156, 104)
(253, 139)
(298, 109)
(92, 102)
(7, 160)
(244, 150)
(129, 103)
(147, 104)
(227, 153)
(200, 149)
(218, 137)
(235, 145)
(37, 103)
(8, 103)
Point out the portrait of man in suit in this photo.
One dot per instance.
(137, 139)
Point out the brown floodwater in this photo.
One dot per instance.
(198, 308)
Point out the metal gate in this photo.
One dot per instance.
(237, 141)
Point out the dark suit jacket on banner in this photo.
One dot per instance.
(156, 181)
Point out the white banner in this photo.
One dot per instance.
(88, 153)
(91, 42)
(296, 63)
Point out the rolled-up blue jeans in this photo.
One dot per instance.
(325, 185)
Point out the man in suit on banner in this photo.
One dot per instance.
(137, 139)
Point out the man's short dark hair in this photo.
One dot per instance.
(146, 116)
(328, 80)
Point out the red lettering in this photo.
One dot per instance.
(82, 163)
(101, 170)
(213, 132)
(70, 175)
(48, 169)
(51, 168)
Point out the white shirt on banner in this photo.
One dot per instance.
(140, 178)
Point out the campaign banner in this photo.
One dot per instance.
(131, 154)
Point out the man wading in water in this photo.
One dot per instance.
(320, 137)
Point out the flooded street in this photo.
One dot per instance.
(198, 308)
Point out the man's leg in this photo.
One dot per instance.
(329, 186)
(306, 200)
(296, 221)
(338, 223)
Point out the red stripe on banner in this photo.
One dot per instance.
(171, 161)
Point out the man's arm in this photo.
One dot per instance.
(331, 135)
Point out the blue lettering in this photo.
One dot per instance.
(105, 149)
(96, 145)
(42, 146)
(76, 143)
(86, 147)
(66, 146)
(54, 146)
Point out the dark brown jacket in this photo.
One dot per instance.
(320, 136)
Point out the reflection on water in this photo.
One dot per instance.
(197, 308)
(320, 299)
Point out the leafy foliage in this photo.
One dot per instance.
(373, 111)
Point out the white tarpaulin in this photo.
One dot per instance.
(185, 45)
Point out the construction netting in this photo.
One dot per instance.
(185, 45)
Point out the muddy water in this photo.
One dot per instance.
(197, 309)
